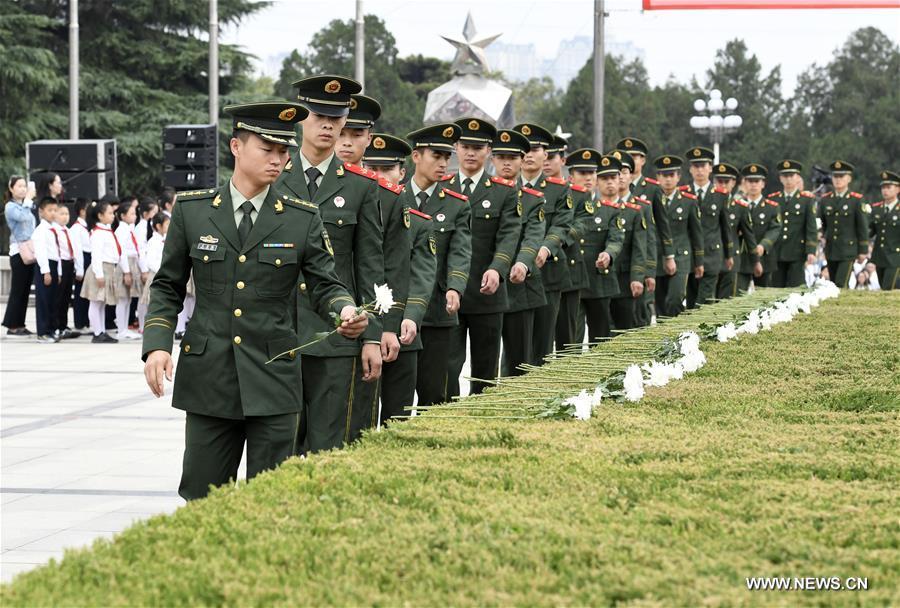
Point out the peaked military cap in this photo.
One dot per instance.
(271, 120)
(439, 137)
(609, 165)
(327, 95)
(632, 145)
(754, 170)
(668, 163)
(584, 159)
(476, 131)
(386, 150)
(840, 167)
(624, 158)
(558, 145)
(726, 170)
(536, 134)
(699, 154)
(364, 111)
(508, 141)
(889, 177)
(789, 166)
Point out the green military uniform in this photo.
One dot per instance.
(799, 234)
(659, 240)
(765, 215)
(631, 265)
(577, 279)
(451, 216)
(244, 273)
(885, 230)
(740, 233)
(525, 297)
(717, 246)
(845, 226)
(558, 217)
(339, 405)
(687, 238)
(495, 226)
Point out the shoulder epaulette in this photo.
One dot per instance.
(533, 192)
(557, 180)
(448, 176)
(684, 188)
(878, 204)
(461, 197)
(195, 194)
(578, 188)
(771, 203)
(650, 180)
(643, 199)
(856, 195)
(610, 204)
(360, 171)
(419, 213)
(721, 190)
(774, 194)
(298, 204)
(807, 194)
(827, 194)
(506, 182)
(389, 185)
(633, 206)
(688, 195)
(742, 203)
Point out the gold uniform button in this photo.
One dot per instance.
(278, 261)
(302, 286)
(240, 285)
(555, 259)
(340, 222)
(187, 348)
(242, 258)
(581, 241)
(206, 258)
(237, 339)
(238, 312)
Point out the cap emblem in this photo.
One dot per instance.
(378, 143)
(332, 86)
(287, 114)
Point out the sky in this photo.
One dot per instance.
(676, 43)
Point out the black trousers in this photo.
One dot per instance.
(643, 310)
(80, 306)
(545, 327)
(518, 333)
(567, 319)
(888, 277)
(431, 373)
(598, 318)
(398, 385)
(45, 298)
(701, 291)
(670, 294)
(213, 448)
(790, 274)
(64, 295)
(839, 272)
(727, 284)
(622, 311)
(19, 290)
(484, 330)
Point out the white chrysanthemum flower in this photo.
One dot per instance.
(583, 403)
(676, 371)
(384, 299)
(633, 383)
(726, 332)
(782, 313)
(658, 374)
(596, 397)
(751, 325)
(765, 319)
(692, 362)
(689, 342)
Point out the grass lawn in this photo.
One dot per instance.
(781, 457)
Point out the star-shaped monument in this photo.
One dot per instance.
(470, 57)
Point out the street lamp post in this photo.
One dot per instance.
(711, 121)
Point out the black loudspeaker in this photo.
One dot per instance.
(190, 156)
(87, 167)
(92, 185)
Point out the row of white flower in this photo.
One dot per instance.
(660, 373)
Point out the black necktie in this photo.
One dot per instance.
(631, 187)
(467, 186)
(246, 222)
(422, 196)
(313, 174)
(700, 194)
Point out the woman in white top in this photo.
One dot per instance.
(154, 251)
(133, 268)
(100, 279)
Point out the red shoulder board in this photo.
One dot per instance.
(419, 213)
(461, 197)
(533, 192)
(360, 171)
(633, 206)
(448, 176)
(557, 180)
(650, 180)
(807, 194)
(644, 200)
(771, 203)
(499, 180)
(721, 190)
(578, 188)
(742, 203)
(856, 195)
(827, 194)
(389, 185)
(878, 204)
(689, 195)
(774, 194)
(610, 204)
(684, 188)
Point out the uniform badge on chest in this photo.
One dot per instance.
(486, 204)
(339, 201)
(208, 243)
(440, 217)
(678, 210)
(762, 216)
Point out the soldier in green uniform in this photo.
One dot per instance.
(339, 405)
(495, 229)
(551, 258)
(717, 246)
(556, 157)
(687, 238)
(844, 215)
(799, 235)
(765, 214)
(525, 290)
(412, 279)
(631, 265)
(885, 229)
(451, 217)
(740, 230)
(660, 245)
(247, 245)
(604, 235)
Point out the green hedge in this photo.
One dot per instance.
(779, 458)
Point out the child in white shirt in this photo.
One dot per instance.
(46, 275)
(160, 223)
(71, 267)
(133, 268)
(100, 279)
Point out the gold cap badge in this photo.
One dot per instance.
(586, 155)
(448, 132)
(473, 125)
(884, 175)
(786, 164)
(617, 154)
(628, 143)
(667, 160)
(504, 137)
(526, 130)
(378, 143)
(838, 165)
(605, 162)
(332, 86)
(287, 114)
(353, 103)
(721, 168)
(697, 152)
(753, 169)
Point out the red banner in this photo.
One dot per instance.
(657, 5)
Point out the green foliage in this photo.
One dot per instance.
(671, 501)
